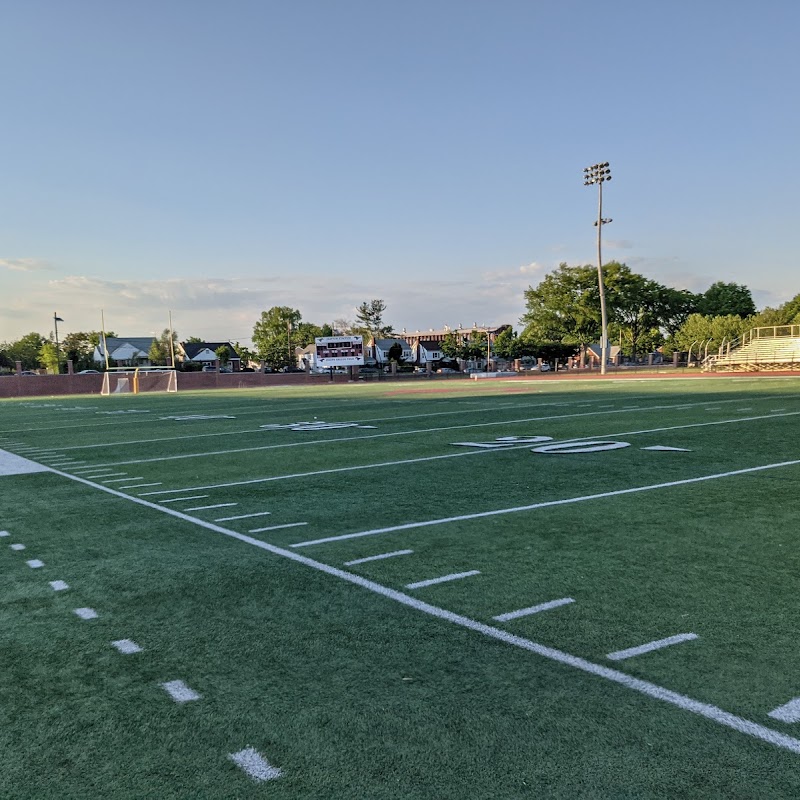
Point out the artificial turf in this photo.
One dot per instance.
(351, 694)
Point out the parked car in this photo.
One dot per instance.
(89, 372)
(209, 368)
(447, 371)
(28, 372)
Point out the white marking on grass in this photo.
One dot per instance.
(705, 710)
(181, 499)
(104, 474)
(59, 586)
(524, 612)
(788, 712)
(379, 557)
(590, 446)
(126, 646)
(776, 410)
(124, 480)
(548, 503)
(180, 692)
(444, 579)
(17, 465)
(238, 516)
(252, 763)
(620, 655)
(17, 546)
(34, 563)
(142, 485)
(4, 533)
(745, 409)
(660, 447)
(278, 527)
(85, 613)
(713, 408)
(251, 481)
(216, 505)
(426, 431)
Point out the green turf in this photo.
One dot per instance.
(351, 694)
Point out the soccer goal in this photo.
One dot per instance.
(128, 380)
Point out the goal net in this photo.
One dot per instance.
(136, 381)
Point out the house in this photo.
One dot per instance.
(205, 353)
(613, 354)
(130, 352)
(381, 348)
(427, 352)
(460, 332)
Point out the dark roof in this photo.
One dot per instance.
(428, 344)
(193, 348)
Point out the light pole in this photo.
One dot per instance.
(56, 320)
(599, 173)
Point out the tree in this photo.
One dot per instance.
(369, 319)
(26, 350)
(246, 355)
(563, 308)
(194, 340)
(223, 353)
(79, 348)
(275, 335)
(160, 351)
(452, 346)
(48, 357)
(723, 299)
(506, 344)
(701, 330)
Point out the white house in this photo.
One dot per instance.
(381, 348)
(427, 352)
(132, 352)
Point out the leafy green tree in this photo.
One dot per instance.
(564, 307)
(369, 319)
(48, 357)
(700, 330)
(223, 353)
(194, 340)
(26, 350)
(246, 355)
(277, 333)
(452, 346)
(79, 348)
(506, 344)
(725, 299)
(160, 352)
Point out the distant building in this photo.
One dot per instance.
(205, 353)
(131, 352)
(460, 331)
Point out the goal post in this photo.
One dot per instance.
(136, 380)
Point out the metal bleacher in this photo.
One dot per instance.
(760, 349)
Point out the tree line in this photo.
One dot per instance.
(563, 312)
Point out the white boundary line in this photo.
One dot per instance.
(524, 612)
(545, 504)
(620, 655)
(706, 710)
(460, 454)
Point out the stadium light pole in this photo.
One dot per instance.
(598, 174)
(56, 320)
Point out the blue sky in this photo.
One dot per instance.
(218, 158)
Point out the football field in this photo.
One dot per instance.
(450, 589)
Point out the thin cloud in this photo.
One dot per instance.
(24, 264)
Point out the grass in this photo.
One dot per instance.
(352, 694)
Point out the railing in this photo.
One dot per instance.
(771, 332)
(775, 345)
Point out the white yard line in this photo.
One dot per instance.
(525, 612)
(180, 692)
(126, 646)
(142, 485)
(413, 432)
(183, 499)
(705, 710)
(379, 557)
(620, 655)
(278, 527)
(253, 764)
(443, 579)
(125, 480)
(545, 504)
(238, 516)
(216, 505)
(460, 454)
